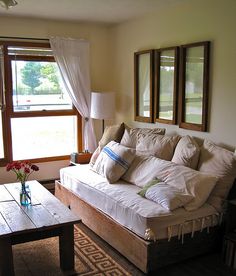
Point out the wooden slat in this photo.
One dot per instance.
(4, 228)
(60, 212)
(15, 217)
(4, 194)
(15, 188)
(40, 216)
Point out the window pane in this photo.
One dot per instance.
(1, 138)
(37, 86)
(39, 137)
(194, 85)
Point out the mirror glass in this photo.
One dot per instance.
(167, 84)
(194, 84)
(144, 85)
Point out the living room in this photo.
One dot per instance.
(112, 47)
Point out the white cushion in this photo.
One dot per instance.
(169, 197)
(221, 163)
(111, 133)
(144, 169)
(161, 146)
(113, 161)
(95, 156)
(132, 135)
(187, 152)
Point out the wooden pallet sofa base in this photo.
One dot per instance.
(146, 255)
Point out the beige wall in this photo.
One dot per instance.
(112, 60)
(197, 20)
(99, 62)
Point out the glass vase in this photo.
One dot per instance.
(25, 195)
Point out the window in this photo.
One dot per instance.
(42, 124)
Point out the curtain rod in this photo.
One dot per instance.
(26, 38)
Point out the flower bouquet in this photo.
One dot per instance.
(23, 169)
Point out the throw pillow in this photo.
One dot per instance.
(161, 146)
(188, 181)
(111, 133)
(94, 156)
(221, 163)
(132, 135)
(187, 152)
(113, 161)
(147, 186)
(167, 196)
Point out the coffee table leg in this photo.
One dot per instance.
(6, 258)
(66, 244)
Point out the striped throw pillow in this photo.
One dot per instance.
(113, 161)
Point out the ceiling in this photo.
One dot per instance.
(99, 11)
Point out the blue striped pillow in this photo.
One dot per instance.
(113, 161)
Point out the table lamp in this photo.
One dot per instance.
(102, 106)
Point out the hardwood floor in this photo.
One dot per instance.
(206, 265)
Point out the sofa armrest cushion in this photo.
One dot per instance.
(222, 163)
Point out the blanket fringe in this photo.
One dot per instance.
(204, 223)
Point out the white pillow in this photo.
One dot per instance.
(189, 181)
(221, 163)
(161, 146)
(113, 161)
(169, 197)
(132, 135)
(198, 184)
(187, 152)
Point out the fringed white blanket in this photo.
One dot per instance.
(145, 218)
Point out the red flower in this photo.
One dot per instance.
(22, 169)
(9, 167)
(26, 170)
(34, 168)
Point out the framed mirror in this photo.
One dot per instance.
(143, 85)
(166, 84)
(194, 80)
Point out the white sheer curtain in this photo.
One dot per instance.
(72, 57)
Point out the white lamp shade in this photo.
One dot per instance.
(102, 105)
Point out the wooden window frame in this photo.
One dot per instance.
(9, 113)
(137, 117)
(182, 124)
(157, 85)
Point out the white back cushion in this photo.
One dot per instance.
(221, 163)
(187, 152)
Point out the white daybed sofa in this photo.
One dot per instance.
(151, 234)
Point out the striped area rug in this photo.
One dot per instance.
(42, 258)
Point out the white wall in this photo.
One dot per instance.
(196, 20)
(99, 64)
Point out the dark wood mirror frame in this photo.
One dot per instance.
(158, 54)
(188, 124)
(137, 105)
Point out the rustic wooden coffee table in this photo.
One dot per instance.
(46, 217)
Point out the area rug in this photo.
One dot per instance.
(42, 258)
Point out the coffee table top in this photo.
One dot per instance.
(46, 211)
